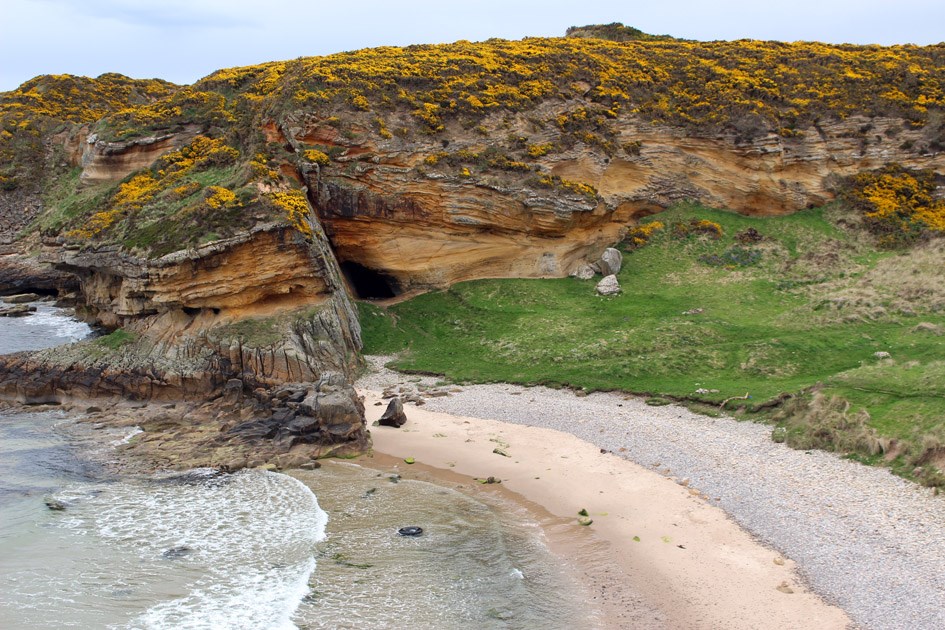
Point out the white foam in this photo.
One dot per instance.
(60, 324)
(122, 441)
(249, 541)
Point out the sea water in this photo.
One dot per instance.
(250, 550)
(48, 327)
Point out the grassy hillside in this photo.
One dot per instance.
(717, 305)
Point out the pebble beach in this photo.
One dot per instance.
(860, 538)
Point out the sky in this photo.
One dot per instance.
(183, 40)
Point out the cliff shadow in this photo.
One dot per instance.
(367, 283)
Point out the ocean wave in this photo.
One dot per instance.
(239, 548)
(57, 322)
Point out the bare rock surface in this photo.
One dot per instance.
(610, 262)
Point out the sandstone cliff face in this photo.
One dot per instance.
(398, 224)
(103, 161)
(267, 308)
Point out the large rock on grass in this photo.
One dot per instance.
(608, 286)
(610, 262)
(583, 272)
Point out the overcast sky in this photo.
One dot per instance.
(183, 40)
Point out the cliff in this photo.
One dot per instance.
(220, 228)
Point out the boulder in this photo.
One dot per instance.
(608, 286)
(394, 415)
(19, 310)
(583, 272)
(610, 262)
(233, 390)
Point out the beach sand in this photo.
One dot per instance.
(658, 553)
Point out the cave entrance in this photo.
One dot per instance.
(367, 283)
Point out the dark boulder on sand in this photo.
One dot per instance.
(394, 415)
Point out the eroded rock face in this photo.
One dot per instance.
(113, 161)
(410, 226)
(267, 307)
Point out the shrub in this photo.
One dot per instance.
(640, 235)
(295, 206)
(218, 197)
(538, 150)
(899, 205)
(736, 256)
(317, 157)
(697, 226)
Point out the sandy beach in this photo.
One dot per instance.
(664, 554)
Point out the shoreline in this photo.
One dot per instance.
(680, 561)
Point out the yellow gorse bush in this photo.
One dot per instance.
(640, 235)
(295, 206)
(167, 172)
(899, 204)
(219, 197)
(672, 81)
(317, 157)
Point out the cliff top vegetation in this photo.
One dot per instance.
(579, 88)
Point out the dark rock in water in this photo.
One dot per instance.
(54, 504)
(19, 310)
(324, 414)
(177, 552)
(410, 531)
(394, 415)
(195, 478)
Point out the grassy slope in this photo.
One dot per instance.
(763, 329)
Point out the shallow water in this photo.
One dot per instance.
(476, 565)
(46, 328)
(200, 551)
(251, 550)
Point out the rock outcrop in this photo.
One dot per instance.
(394, 415)
(288, 186)
(230, 322)
(103, 161)
(398, 224)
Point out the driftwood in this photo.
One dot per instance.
(725, 402)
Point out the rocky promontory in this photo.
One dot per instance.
(217, 233)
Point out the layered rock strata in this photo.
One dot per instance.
(398, 223)
(230, 322)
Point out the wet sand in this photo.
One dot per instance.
(658, 553)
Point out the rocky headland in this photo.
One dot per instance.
(218, 232)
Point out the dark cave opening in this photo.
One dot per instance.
(367, 283)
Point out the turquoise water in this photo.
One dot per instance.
(252, 550)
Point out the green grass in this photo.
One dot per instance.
(67, 201)
(116, 339)
(171, 224)
(762, 329)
